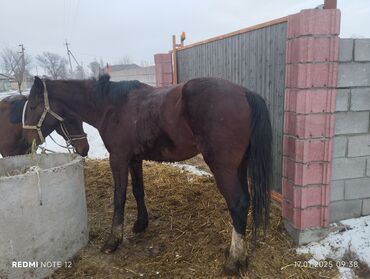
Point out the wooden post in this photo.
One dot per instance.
(174, 60)
(330, 4)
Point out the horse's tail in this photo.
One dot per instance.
(260, 161)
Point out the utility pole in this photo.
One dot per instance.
(23, 65)
(22, 54)
(69, 57)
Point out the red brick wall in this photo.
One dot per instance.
(163, 69)
(311, 79)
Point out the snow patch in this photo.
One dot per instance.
(354, 238)
(189, 168)
(346, 273)
(97, 148)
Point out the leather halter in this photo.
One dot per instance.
(47, 110)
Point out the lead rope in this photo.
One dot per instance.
(68, 145)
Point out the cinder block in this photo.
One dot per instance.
(351, 122)
(315, 49)
(310, 125)
(308, 75)
(337, 190)
(359, 145)
(310, 217)
(340, 146)
(346, 50)
(357, 188)
(307, 174)
(362, 50)
(354, 74)
(342, 102)
(307, 150)
(360, 99)
(314, 22)
(341, 210)
(366, 207)
(164, 68)
(348, 168)
(303, 197)
(310, 101)
(162, 58)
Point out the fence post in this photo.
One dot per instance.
(330, 4)
(309, 119)
(174, 59)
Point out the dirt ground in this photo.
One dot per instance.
(189, 231)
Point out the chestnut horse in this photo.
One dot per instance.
(11, 140)
(226, 123)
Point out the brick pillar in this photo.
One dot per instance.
(311, 78)
(163, 69)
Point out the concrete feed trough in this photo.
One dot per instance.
(43, 215)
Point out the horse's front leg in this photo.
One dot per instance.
(119, 168)
(136, 170)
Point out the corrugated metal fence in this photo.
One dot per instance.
(253, 58)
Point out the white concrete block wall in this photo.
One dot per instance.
(350, 191)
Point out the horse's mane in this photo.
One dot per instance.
(115, 92)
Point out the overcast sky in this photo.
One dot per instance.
(113, 29)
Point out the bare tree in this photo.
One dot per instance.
(79, 73)
(144, 63)
(95, 68)
(54, 64)
(15, 64)
(102, 63)
(126, 60)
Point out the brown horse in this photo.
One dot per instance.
(226, 123)
(11, 140)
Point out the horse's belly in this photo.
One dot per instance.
(171, 152)
(179, 154)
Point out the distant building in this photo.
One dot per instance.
(9, 83)
(131, 72)
(5, 83)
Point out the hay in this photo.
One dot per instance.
(189, 231)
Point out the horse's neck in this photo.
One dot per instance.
(83, 105)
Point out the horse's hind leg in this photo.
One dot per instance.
(232, 185)
(136, 170)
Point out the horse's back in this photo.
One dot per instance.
(215, 103)
(218, 114)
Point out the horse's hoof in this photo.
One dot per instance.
(231, 269)
(243, 265)
(111, 245)
(139, 226)
(234, 267)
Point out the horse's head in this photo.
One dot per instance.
(72, 131)
(42, 115)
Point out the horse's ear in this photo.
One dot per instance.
(38, 83)
(36, 92)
